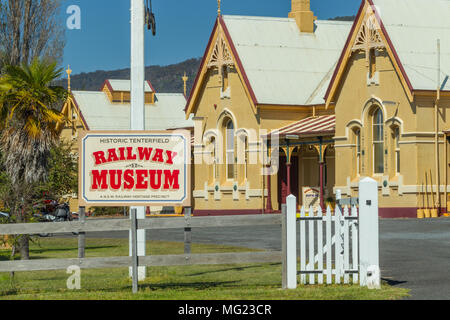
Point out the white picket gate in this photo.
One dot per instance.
(328, 245)
(338, 247)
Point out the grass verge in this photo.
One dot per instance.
(220, 282)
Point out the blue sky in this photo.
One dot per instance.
(183, 28)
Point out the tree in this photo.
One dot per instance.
(30, 29)
(28, 110)
(63, 172)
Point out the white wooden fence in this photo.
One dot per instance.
(335, 248)
(328, 246)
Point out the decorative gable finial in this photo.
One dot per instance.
(69, 72)
(185, 79)
(218, 8)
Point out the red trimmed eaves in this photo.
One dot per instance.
(383, 29)
(347, 44)
(236, 56)
(106, 82)
(151, 86)
(238, 60)
(202, 63)
(388, 39)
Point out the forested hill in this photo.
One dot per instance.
(165, 79)
(344, 18)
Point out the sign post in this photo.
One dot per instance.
(137, 116)
(135, 169)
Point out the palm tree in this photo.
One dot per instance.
(28, 119)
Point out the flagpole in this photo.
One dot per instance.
(137, 112)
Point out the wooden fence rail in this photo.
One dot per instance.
(150, 261)
(148, 224)
(186, 223)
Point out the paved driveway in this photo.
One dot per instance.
(414, 254)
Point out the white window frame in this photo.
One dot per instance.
(377, 142)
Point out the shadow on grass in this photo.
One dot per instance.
(187, 285)
(241, 268)
(8, 292)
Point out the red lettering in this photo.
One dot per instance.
(171, 179)
(145, 153)
(141, 184)
(130, 155)
(99, 179)
(158, 156)
(170, 156)
(112, 156)
(155, 184)
(113, 183)
(99, 157)
(129, 179)
(122, 154)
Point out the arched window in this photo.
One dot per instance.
(213, 173)
(378, 141)
(396, 134)
(245, 158)
(230, 142)
(357, 132)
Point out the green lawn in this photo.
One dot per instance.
(220, 282)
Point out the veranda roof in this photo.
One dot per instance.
(312, 126)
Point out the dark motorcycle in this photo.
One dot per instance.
(61, 213)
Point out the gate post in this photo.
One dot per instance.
(289, 235)
(369, 266)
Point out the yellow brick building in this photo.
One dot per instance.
(386, 98)
(342, 100)
(260, 76)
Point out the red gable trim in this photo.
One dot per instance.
(151, 86)
(402, 69)
(238, 60)
(236, 56)
(202, 63)
(106, 83)
(388, 39)
(79, 111)
(347, 44)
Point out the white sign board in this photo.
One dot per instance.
(135, 168)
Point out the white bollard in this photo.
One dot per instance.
(291, 242)
(369, 266)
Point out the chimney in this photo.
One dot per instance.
(301, 12)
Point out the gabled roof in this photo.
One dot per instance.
(413, 27)
(125, 85)
(279, 65)
(283, 65)
(100, 114)
(410, 29)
